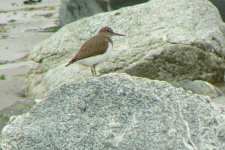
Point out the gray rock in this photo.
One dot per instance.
(71, 10)
(221, 132)
(118, 112)
(18, 108)
(172, 41)
(220, 5)
(108, 5)
(200, 87)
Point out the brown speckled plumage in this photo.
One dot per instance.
(95, 46)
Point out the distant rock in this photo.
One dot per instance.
(71, 10)
(172, 41)
(200, 87)
(108, 5)
(118, 111)
(220, 4)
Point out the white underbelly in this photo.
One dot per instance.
(94, 60)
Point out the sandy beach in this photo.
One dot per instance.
(21, 28)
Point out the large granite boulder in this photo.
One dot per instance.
(118, 111)
(167, 40)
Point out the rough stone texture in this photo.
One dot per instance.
(118, 112)
(172, 41)
(71, 10)
(221, 132)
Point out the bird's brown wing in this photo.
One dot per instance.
(95, 46)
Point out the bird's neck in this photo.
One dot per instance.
(106, 35)
(109, 38)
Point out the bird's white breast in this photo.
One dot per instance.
(94, 60)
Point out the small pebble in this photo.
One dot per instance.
(2, 77)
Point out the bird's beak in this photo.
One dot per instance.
(118, 34)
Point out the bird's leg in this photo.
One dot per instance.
(92, 71)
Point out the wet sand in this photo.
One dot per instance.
(11, 88)
(20, 31)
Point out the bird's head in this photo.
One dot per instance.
(109, 32)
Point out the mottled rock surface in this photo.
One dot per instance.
(172, 41)
(118, 111)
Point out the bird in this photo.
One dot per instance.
(95, 50)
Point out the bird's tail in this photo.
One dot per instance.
(70, 62)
